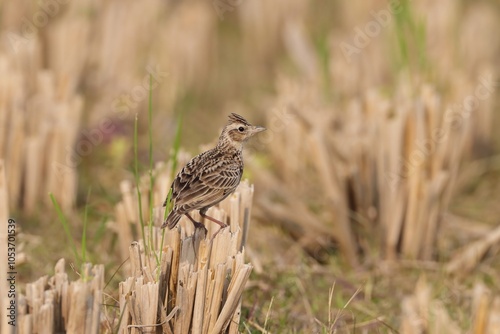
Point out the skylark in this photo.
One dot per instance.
(211, 176)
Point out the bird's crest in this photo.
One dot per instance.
(235, 118)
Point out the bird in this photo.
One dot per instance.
(211, 176)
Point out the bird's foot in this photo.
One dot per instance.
(198, 225)
(220, 229)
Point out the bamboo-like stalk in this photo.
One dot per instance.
(199, 291)
(200, 299)
(422, 313)
(392, 167)
(46, 64)
(54, 304)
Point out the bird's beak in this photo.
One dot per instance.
(257, 129)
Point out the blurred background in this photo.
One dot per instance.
(377, 183)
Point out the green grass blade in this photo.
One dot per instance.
(411, 39)
(65, 225)
(151, 179)
(84, 234)
(151, 176)
(137, 182)
(101, 229)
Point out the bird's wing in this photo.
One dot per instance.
(205, 180)
(184, 176)
(224, 174)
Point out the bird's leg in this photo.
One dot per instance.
(222, 225)
(196, 224)
(203, 215)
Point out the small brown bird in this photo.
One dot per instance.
(212, 175)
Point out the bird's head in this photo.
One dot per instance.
(237, 131)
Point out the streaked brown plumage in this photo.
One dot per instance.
(212, 175)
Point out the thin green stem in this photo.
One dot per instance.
(84, 235)
(137, 182)
(65, 225)
(151, 176)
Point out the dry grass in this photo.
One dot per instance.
(377, 183)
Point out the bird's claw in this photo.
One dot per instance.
(220, 229)
(200, 226)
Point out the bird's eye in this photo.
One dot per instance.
(241, 129)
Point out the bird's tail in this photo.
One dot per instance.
(172, 220)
